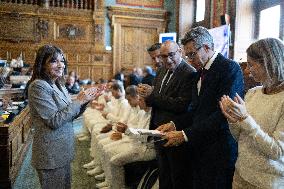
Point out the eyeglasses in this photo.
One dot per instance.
(191, 55)
(170, 55)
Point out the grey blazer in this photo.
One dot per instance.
(52, 113)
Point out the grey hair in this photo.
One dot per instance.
(200, 36)
(269, 52)
(131, 90)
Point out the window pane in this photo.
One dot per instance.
(269, 22)
(200, 10)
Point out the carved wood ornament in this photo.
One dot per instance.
(99, 32)
(71, 32)
(42, 28)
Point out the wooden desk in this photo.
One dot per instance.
(12, 93)
(15, 139)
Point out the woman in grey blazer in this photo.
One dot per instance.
(52, 113)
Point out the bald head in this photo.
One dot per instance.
(169, 44)
(170, 54)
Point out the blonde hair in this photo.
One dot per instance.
(269, 52)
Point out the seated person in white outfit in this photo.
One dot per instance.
(127, 150)
(94, 111)
(133, 118)
(117, 113)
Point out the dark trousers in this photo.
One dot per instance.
(174, 168)
(59, 178)
(206, 178)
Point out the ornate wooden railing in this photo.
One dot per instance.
(73, 4)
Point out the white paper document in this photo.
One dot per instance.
(147, 132)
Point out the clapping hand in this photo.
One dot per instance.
(234, 110)
(144, 90)
(87, 95)
(104, 114)
(166, 127)
(107, 98)
(174, 138)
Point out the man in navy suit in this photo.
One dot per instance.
(213, 151)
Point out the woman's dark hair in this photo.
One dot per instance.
(44, 54)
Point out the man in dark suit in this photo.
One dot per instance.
(213, 151)
(169, 98)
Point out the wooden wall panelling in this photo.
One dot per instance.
(144, 3)
(98, 26)
(108, 71)
(71, 30)
(72, 58)
(98, 72)
(100, 32)
(71, 67)
(84, 57)
(79, 33)
(29, 55)
(4, 53)
(84, 71)
(16, 27)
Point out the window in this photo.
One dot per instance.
(269, 22)
(200, 10)
(269, 19)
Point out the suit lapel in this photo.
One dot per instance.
(66, 94)
(60, 94)
(174, 77)
(210, 75)
(160, 79)
(195, 96)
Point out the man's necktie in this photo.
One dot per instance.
(166, 80)
(167, 77)
(203, 74)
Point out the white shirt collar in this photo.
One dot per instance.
(211, 60)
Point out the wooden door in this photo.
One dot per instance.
(133, 33)
(134, 44)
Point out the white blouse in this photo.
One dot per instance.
(261, 140)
